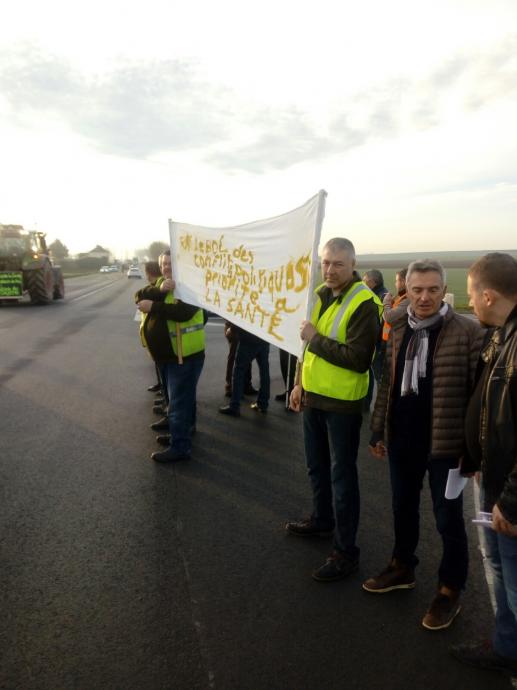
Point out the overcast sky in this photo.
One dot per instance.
(115, 116)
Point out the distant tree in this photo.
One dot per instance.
(156, 248)
(58, 249)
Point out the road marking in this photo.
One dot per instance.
(92, 292)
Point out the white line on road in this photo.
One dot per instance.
(92, 292)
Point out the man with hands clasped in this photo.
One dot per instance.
(174, 334)
(330, 386)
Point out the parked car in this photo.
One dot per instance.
(104, 269)
(134, 272)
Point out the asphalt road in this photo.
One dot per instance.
(120, 573)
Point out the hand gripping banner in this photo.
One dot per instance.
(259, 275)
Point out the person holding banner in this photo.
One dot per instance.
(331, 384)
(174, 334)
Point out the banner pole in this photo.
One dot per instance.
(179, 343)
(314, 259)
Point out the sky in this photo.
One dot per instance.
(116, 116)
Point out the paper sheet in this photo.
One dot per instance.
(455, 484)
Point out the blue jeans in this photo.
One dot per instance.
(331, 446)
(501, 552)
(249, 349)
(407, 470)
(181, 382)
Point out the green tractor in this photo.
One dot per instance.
(25, 267)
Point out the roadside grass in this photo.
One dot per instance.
(456, 283)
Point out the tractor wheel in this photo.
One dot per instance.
(40, 284)
(59, 284)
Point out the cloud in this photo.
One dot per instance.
(136, 110)
(142, 109)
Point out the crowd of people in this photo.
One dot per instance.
(446, 400)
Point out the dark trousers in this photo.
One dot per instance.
(288, 369)
(233, 341)
(331, 446)
(181, 382)
(247, 351)
(408, 467)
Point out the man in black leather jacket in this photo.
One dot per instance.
(491, 435)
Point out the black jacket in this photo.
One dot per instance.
(498, 421)
(156, 331)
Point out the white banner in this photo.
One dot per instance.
(257, 275)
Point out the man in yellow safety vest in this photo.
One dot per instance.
(173, 332)
(330, 385)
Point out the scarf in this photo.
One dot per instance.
(415, 362)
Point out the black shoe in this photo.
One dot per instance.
(164, 440)
(159, 401)
(249, 390)
(483, 655)
(169, 456)
(337, 566)
(160, 425)
(280, 397)
(308, 528)
(153, 389)
(159, 409)
(255, 406)
(229, 410)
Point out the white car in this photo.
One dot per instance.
(134, 272)
(104, 269)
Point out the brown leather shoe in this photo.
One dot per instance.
(443, 610)
(395, 576)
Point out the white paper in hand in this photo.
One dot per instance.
(455, 484)
(138, 316)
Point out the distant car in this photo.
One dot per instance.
(113, 269)
(134, 272)
(104, 269)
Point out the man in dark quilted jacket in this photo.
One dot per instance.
(418, 422)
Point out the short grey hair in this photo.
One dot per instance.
(376, 275)
(424, 266)
(340, 244)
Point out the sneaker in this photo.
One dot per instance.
(442, 612)
(255, 406)
(337, 566)
(483, 655)
(308, 528)
(395, 576)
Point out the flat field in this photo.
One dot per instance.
(456, 283)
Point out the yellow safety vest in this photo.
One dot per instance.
(192, 331)
(318, 375)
